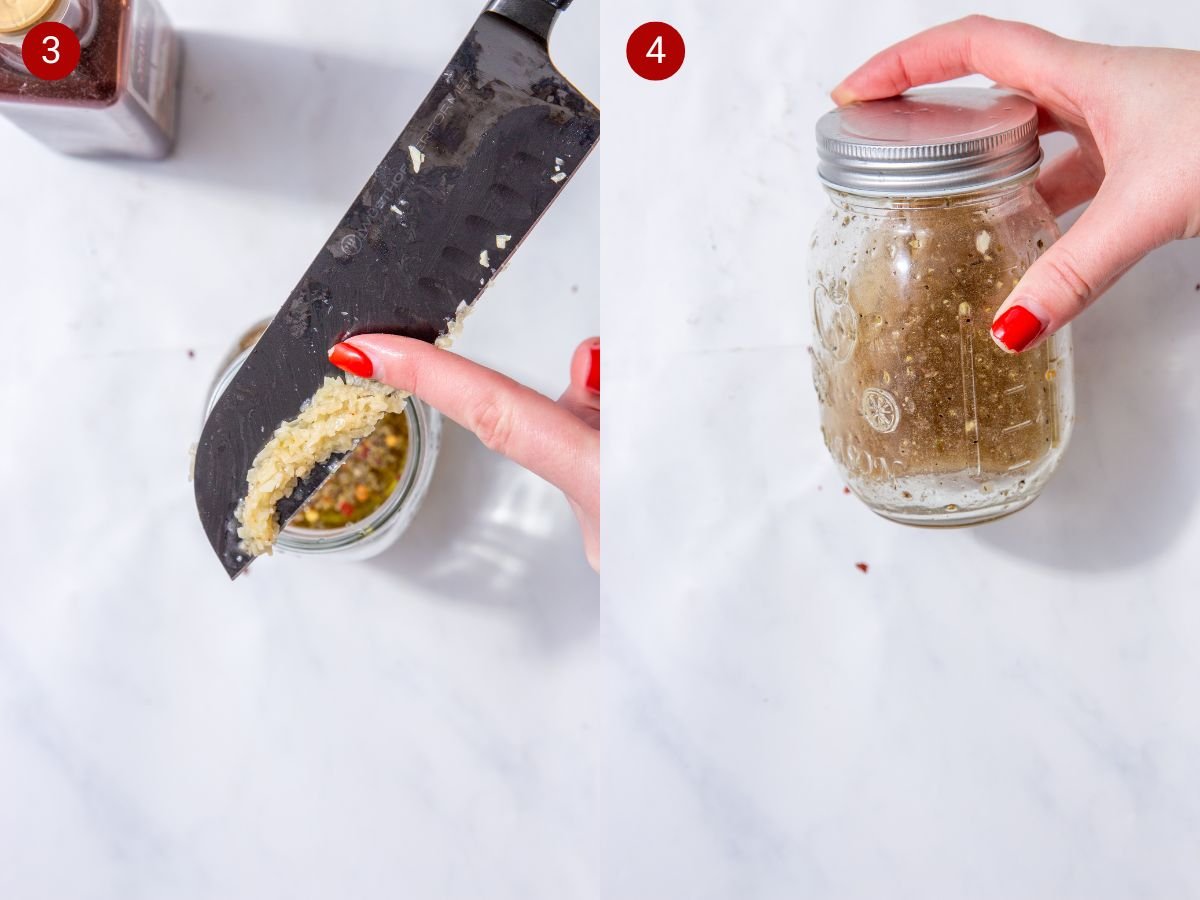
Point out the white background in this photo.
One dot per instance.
(396, 728)
(1007, 711)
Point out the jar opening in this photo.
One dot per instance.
(424, 429)
(297, 539)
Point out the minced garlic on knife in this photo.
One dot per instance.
(340, 413)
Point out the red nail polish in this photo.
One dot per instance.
(351, 359)
(593, 377)
(1017, 328)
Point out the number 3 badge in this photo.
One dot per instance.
(50, 51)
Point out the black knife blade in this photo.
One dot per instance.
(487, 152)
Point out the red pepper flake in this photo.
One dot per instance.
(845, 490)
(862, 567)
(346, 508)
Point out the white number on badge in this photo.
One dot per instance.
(656, 50)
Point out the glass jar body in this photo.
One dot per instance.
(929, 421)
(122, 98)
(381, 529)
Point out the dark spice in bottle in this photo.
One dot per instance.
(121, 98)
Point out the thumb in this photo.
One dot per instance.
(582, 396)
(1113, 233)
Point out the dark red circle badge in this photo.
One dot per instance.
(50, 51)
(655, 51)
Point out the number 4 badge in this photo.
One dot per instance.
(655, 51)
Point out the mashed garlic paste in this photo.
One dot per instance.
(341, 413)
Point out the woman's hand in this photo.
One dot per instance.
(560, 441)
(1135, 114)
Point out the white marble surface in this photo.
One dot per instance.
(415, 726)
(1003, 712)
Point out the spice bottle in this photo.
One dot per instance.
(121, 98)
(370, 501)
(933, 218)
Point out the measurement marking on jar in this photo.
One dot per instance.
(1019, 465)
(1015, 390)
(1053, 364)
(966, 340)
(1011, 428)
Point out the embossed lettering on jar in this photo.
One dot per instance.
(933, 218)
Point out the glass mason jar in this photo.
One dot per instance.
(933, 218)
(380, 529)
(120, 100)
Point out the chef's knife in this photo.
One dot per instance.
(498, 137)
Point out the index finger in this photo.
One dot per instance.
(509, 418)
(1017, 55)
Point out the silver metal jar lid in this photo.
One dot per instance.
(929, 143)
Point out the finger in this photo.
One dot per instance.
(582, 396)
(589, 527)
(1068, 181)
(1048, 121)
(1095, 252)
(1016, 55)
(513, 420)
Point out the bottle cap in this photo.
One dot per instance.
(929, 143)
(21, 15)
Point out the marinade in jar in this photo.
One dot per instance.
(363, 482)
(911, 383)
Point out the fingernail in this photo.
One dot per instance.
(351, 359)
(842, 95)
(593, 377)
(1017, 328)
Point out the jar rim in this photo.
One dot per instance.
(974, 193)
(329, 540)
